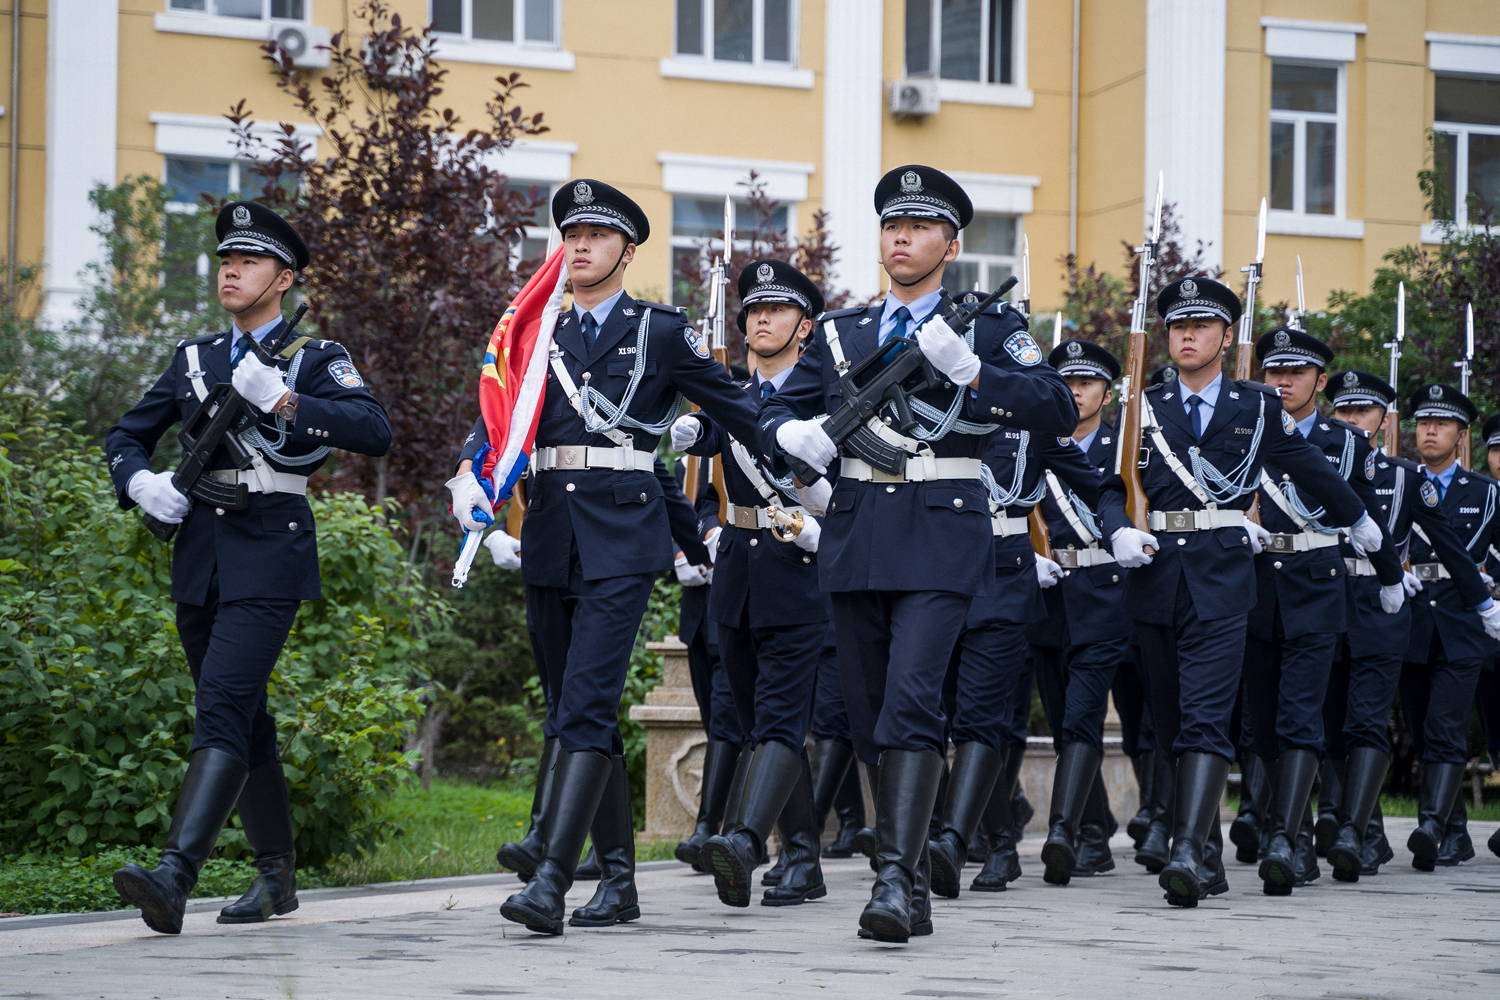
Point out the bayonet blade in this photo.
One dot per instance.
(1400, 313)
(1026, 268)
(1260, 234)
(1057, 330)
(728, 226)
(1469, 333)
(1156, 224)
(1301, 294)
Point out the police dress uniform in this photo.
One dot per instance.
(1299, 619)
(833, 752)
(1085, 636)
(1450, 643)
(596, 534)
(238, 577)
(1191, 602)
(898, 553)
(1487, 694)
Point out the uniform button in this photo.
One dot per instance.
(311, 431)
(1018, 560)
(1277, 564)
(754, 541)
(1115, 578)
(995, 410)
(571, 487)
(1333, 572)
(1182, 541)
(807, 559)
(1433, 603)
(1383, 507)
(643, 498)
(957, 502)
(833, 506)
(890, 489)
(219, 511)
(291, 526)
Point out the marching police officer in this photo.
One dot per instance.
(898, 552)
(597, 533)
(1297, 622)
(1206, 440)
(233, 623)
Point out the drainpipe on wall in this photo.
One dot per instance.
(1073, 147)
(15, 149)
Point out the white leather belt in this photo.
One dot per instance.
(1081, 558)
(284, 482)
(1196, 520)
(1005, 527)
(1300, 541)
(919, 469)
(757, 517)
(574, 457)
(1427, 572)
(1359, 567)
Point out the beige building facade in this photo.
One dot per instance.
(1057, 115)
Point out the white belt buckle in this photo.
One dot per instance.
(1281, 543)
(881, 476)
(1179, 520)
(745, 517)
(571, 456)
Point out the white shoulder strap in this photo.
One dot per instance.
(1173, 462)
(570, 388)
(746, 462)
(835, 349)
(1279, 499)
(1065, 504)
(195, 372)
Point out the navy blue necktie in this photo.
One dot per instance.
(903, 319)
(240, 347)
(1196, 401)
(766, 388)
(590, 330)
(1441, 491)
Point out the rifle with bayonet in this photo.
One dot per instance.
(1244, 353)
(1132, 389)
(1298, 321)
(1466, 438)
(218, 422)
(714, 334)
(867, 388)
(1393, 411)
(1041, 535)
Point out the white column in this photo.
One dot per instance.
(1185, 65)
(82, 101)
(853, 102)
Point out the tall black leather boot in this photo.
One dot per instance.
(1364, 775)
(733, 857)
(1305, 859)
(613, 834)
(802, 874)
(1002, 865)
(1457, 847)
(1072, 782)
(864, 840)
(1377, 850)
(1295, 773)
(719, 761)
(1195, 807)
(578, 786)
(935, 823)
(1435, 798)
(266, 818)
(1215, 880)
(1094, 857)
(1154, 854)
(908, 790)
(829, 762)
(1244, 832)
(209, 791)
(1330, 795)
(1494, 842)
(976, 768)
(524, 855)
(1143, 764)
(849, 804)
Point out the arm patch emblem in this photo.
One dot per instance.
(1429, 493)
(1021, 347)
(696, 340)
(345, 374)
(1370, 465)
(1287, 423)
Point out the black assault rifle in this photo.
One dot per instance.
(218, 422)
(866, 394)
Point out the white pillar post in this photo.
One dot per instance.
(853, 103)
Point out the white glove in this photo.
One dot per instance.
(1489, 581)
(1491, 618)
(1259, 536)
(1130, 547)
(505, 550)
(815, 497)
(711, 542)
(1410, 583)
(947, 351)
(806, 439)
(1048, 573)
(807, 539)
(686, 429)
(468, 495)
(1391, 598)
(157, 496)
(258, 382)
(1365, 535)
(688, 574)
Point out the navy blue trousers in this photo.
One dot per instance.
(772, 673)
(584, 636)
(989, 673)
(1136, 733)
(1193, 669)
(1487, 703)
(1357, 711)
(721, 724)
(894, 647)
(1435, 699)
(830, 719)
(231, 648)
(1285, 684)
(1074, 684)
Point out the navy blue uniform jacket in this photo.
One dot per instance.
(1449, 605)
(777, 580)
(921, 536)
(693, 609)
(619, 522)
(1218, 564)
(1088, 605)
(269, 549)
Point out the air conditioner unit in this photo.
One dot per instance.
(914, 98)
(305, 43)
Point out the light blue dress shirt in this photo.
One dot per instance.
(919, 309)
(599, 312)
(259, 333)
(1210, 396)
(1088, 440)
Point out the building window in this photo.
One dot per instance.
(987, 254)
(532, 22)
(1466, 145)
(743, 31)
(1306, 145)
(182, 229)
(697, 225)
(961, 39)
(251, 10)
(532, 246)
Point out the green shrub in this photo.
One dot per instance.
(83, 885)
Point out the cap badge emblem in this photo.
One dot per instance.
(582, 193)
(1169, 374)
(241, 217)
(970, 298)
(1283, 338)
(1189, 287)
(1075, 349)
(911, 182)
(765, 273)
(1351, 380)
(1436, 392)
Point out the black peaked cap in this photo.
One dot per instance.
(590, 201)
(1198, 298)
(251, 227)
(1357, 388)
(777, 281)
(1439, 400)
(922, 193)
(1084, 357)
(1288, 348)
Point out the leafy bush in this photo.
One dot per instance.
(95, 696)
(83, 885)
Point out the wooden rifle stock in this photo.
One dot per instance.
(1466, 449)
(1127, 459)
(1041, 535)
(517, 512)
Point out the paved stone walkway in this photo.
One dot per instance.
(1403, 935)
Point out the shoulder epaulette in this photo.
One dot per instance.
(674, 310)
(840, 313)
(1160, 386)
(199, 340)
(1335, 421)
(1402, 463)
(1481, 477)
(1247, 383)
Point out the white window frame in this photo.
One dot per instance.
(463, 47)
(758, 71)
(1298, 221)
(987, 260)
(1014, 94)
(1459, 182)
(206, 22)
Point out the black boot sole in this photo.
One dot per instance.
(1246, 842)
(513, 860)
(1107, 865)
(1183, 889)
(687, 855)
(1345, 863)
(884, 926)
(1277, 877)
(947, 875)
(731, 878)
(1060, 861)
(281, 910)
(158, 913)
(917, 930)
(1424, 850)
(627, 914)
(816, 892)
(532, 920)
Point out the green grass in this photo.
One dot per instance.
(81, 885)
